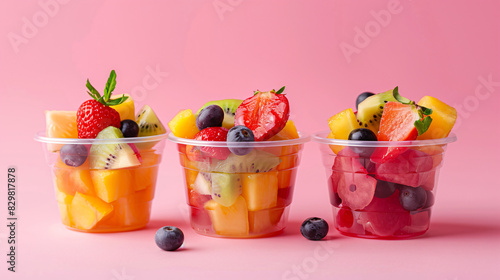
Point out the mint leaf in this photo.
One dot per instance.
(281, 90)
(400, 98)
(110, 85)
(117, 101)
(92, 91)
(423, 125)
(426, 111)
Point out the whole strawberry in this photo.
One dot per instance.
(265, 113)
(95, 114)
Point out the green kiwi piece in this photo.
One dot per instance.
(371, 109)
(254, 162)
(148, 122)
(225, 188)
(229, 107)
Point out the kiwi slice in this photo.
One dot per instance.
(370, 110)
(202, 184)
(225, 188)
(115, 155)
(254, 162)
(229, 107)
(148, 122)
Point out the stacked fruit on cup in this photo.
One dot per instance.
(103, 181)
(387, 191)
(238, 186)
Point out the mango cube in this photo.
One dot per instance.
(64, 203)
(443, 118)
(229, 221)
(184, 124)
(86, 211)
(264, 221)
(260, 190)
(110, 185)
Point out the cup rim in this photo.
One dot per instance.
(41, 137)
(320, 137)
(303, 138)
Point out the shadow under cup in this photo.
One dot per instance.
(239, 196)
(105, 200)
(382, 197)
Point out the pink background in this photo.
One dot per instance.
(446, 49)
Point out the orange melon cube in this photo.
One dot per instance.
(110, 185)
(260, 190)
(64, 203)
(86, 211)
(229, 221)
(130, 211)
(264, 221)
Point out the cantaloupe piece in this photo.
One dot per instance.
(86, 211)
(130, 211)
(260, 190)
(73, 179)
(335, 148)
(443, 118)
(184, 124)
(264, 221)
(60, 124)
(110, 185)
(288, 132)
(126, 109)
(64, 203)
(146, 174)
(229, 221)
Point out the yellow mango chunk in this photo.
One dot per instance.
(288, 132)
(229, 221)
(184, 124)
(335, 148)
(264, 221)
(86, 211)
(443, 118)
(260, 190)
(342, 124)
(110, 185)
(126, 109)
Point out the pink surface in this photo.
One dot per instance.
(179, 54)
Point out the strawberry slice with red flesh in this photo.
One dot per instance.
(198, 153)
(397, 124)
(265, 113)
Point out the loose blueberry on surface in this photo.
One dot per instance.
(129, 128)
(169, 238)
(314, 228)
(385, 189)
(210, 116)
(362, 97)
(240, 133)
(362, 134)
(73, 155)
(412, 198)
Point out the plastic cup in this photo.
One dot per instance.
(239, 196)
(105, 200)
(377, 197)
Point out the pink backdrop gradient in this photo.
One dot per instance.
(216, 49)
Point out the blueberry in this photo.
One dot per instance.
(314, 228)
(430, 200)
(129, 128)
(240, 133)
(169, 238)
(362, 97)
(384, 189)
(412, 198)
(362, 134)
(210, 116)
(73, 155)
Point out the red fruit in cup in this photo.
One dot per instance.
(209, 134)
(265, 113)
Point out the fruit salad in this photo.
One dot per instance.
(239, 159)
(105, 161)
(385, 163)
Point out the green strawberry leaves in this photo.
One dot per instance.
(281, 90)
(108, 89)
(425, 121)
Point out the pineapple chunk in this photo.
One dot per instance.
(111, 185)
(343, 123)
(126, 109)
(443, 118)
(184, 124)
(86, 211)
(260, 190)
(229, 221)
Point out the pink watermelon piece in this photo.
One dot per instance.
(411, 168)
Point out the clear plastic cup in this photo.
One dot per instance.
(373, 197)
(105, 200)
(239, 196)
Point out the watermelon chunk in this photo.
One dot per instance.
(411, 168)
(396, 124)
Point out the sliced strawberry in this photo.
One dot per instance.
(198, 153)
(397, 124)
(265, 113)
